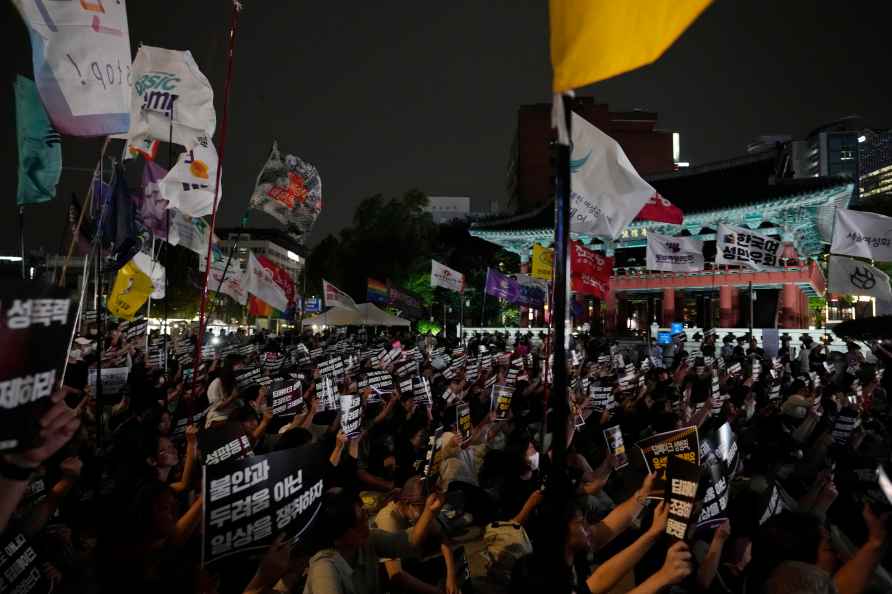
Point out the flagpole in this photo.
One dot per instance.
(202, 321)
(559, 307)
(483, 306)
(461, 322)
(22, 237)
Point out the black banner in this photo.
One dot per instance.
(657, 449)
(222, 442)
(682, 480)
(20, 567)
(250, 501)
(35, 327)
(286, 398)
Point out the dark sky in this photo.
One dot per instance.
(387, 96)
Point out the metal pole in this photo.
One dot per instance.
(461, 321)
(483, 308)
(751, 310)
(22, 237)
(559, 310)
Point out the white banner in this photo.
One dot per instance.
(189, 232)
(674, 254)
(606, 193)
(81, 56)
(233, 285)
(858, 278)
(189, 186)
(862, 234)
(334, 297)
(744, 247)
(168, 85)
(153, 270)
(443, 276)
(259, 281)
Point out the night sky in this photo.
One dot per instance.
(387, 96)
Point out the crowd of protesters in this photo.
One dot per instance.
(112, 498)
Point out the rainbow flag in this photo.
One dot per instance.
(377, 292)
(261, 309)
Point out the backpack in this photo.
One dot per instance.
(505, 542)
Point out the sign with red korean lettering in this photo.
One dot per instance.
(589, 271)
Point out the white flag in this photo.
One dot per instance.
(858, 278)
(81, 57)
(170, 97)
(233, 285)
(334, 297)
(674, 254)
(443, 276)
(744, 247)
(189, 186)
(259, 281)
(189, 232)
(153, 270)
(862, 234)
(606, 193)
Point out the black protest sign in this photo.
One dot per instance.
(222, 442)
(845, 423)
(501, 401)
(681, 443)
(715, 502)
(247, 350)
(407, 369)
(351, 414)
(726, 449)
(208, 352)
(333, 367)
(179, 427)
(250, 501)
(379, 380)
(248, 377)
(327, 395)
(135, 329)
(433, 444)
(316, 354)
(20, 568)
(463, 421)
(735, 369)
(391, 356)
(614, 437)
(414, 354)
(682, 480)
(272, 362)
(511, 376)
(35, 329)
(421, 390)
(285, 398)
(602, 397)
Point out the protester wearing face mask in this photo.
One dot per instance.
(223, 392)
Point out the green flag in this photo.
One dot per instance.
(40, 147)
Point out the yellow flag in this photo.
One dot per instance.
(592, 40)
(131, 290)
(543, 262)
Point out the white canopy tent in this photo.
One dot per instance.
(365, 314)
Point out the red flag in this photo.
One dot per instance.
(281, 278)
(660, 210)
(589, 271)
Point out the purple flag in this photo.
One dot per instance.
(502, 286)
(152, 208)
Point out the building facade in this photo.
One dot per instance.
(444, 209)
(277, 246)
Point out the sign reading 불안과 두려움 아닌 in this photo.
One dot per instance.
(35, 327)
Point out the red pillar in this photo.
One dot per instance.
(735, 307)
(790, 317)
(726, 308)
(803, 308)
(610, 325)
(668, 306)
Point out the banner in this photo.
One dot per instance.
(592, 40)
(614, 437)
(855, 277)
(151, 206)
(376, 292)
(589, 271)
(189, 186)
(81, 56)
(660, 210)
(35, 325)
(351, 415)
(605, 190)
(40, 146)
(334, 297)
(543, 262)
(260, 281)
(170, 98)
(674, 254)
(681, 443)
(862, 234)
(290, 191)
(131, 290)
(443, 276)
(248, 502)
(232, 285)
(743, 247)
(189, 232)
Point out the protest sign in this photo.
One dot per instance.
(846, 422)
(351, 414)
(379, 380)
(679, 443)
(113, 379)
(433, 444)
(501, 401)
(178, 431)
(674, 254)
(20, 567)
(327, 395)
(463, 421)
(272, 362)
(285, 398)
(682, 478)
(421, 390)
(774, 504)
(248, 377)
(135, 329)
(602, 397)
(224, 441)
(715, 502)
(744, 247)
(35, 328)
(333, 368)
(249, 501)
(407, 369)
(614, 437)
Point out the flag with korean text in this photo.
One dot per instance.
(862, 234)
(443, 276)
(744, 247)
(674, 254)
(260, 281)
(589, 271)
(334, 297)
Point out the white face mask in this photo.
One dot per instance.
(534, 461)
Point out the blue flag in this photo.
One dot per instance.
(40, 147)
